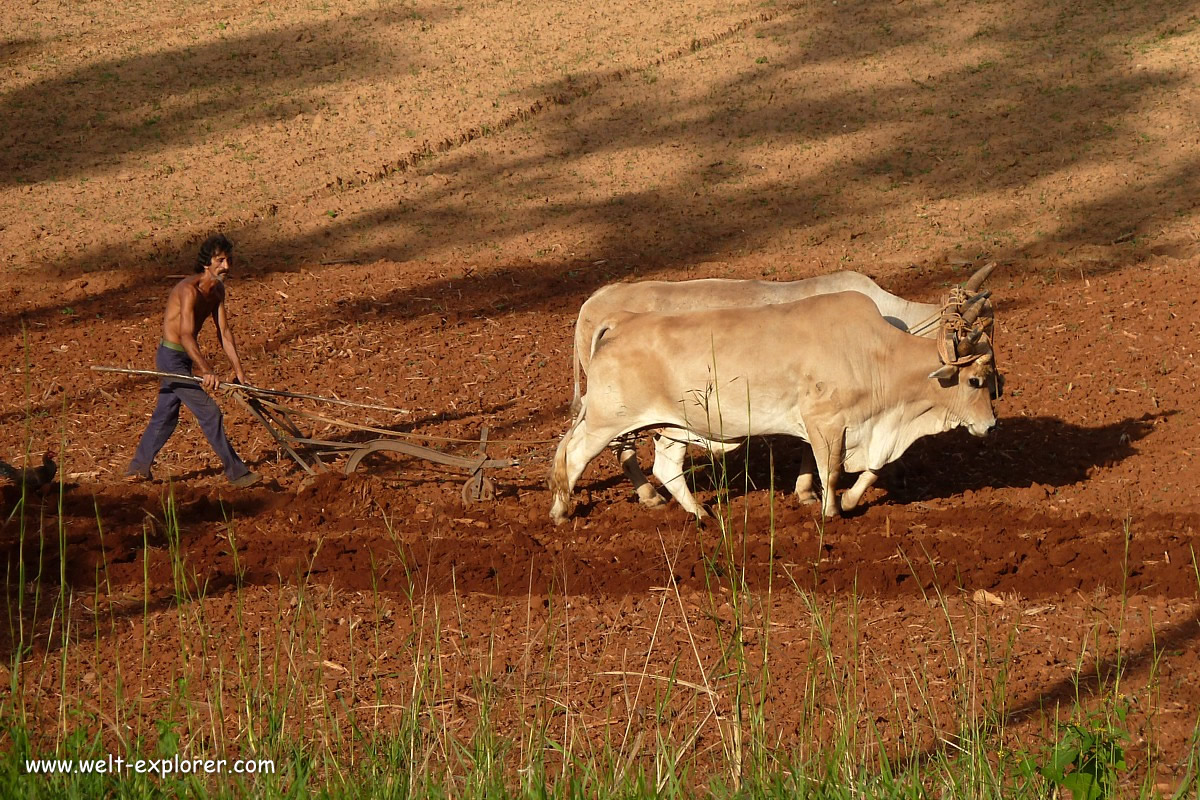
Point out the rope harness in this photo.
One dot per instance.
(953, 329)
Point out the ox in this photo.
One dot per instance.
(828, 369)
(712, 293)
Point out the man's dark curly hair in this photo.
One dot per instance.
(217, 243)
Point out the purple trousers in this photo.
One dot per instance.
(166, 416)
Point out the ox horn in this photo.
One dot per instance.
(975, 281)
(963, 347)
(972, 307)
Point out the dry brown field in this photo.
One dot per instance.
(422, 194)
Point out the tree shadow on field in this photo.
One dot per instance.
(1062, 699)
(1112, 669)
(94, 119)
(768, 149)
(12, 49)
(506, 292)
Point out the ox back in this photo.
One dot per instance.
(716, 293)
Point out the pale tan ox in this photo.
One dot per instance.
(828, 369)
(920, 319)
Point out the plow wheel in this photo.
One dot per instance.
(479, 487)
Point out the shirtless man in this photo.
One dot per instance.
(192, 301)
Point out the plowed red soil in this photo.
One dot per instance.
(445, 283)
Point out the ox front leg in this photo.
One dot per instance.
(669, 454)
(805, 493)
(828, 450)
(852, 495)
(626, 451)
(576, 450)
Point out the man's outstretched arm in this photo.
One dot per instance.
(228, 344)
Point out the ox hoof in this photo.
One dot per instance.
(652, 501)
(559, 512)
(806, 497)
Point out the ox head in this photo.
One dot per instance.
(968, 362)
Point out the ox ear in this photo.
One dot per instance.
(945, 372)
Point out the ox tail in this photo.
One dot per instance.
(556, 481)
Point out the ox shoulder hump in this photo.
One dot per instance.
(853, 299)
